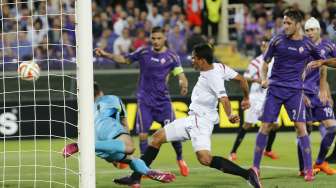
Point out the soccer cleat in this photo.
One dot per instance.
(184, 169)
(69, 150)
(253, 178)
(128, 180)
(163, 177)
(233, 157)
(301, 173)
(309, 176)
(271, 155)
(324, 167)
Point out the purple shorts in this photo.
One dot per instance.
(318, 111)
(292, 99)
(146, 114)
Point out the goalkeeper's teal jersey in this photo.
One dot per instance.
(109, 110)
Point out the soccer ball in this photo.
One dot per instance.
(29, 70)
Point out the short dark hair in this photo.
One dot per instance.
(96, 89)
(294, 15)
(204, 51)
(157, 29)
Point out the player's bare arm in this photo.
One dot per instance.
(264, 79)
(233, 118)
(183, 83)
(114, 57)
(328, 62)
(245, 88)
(323, 94)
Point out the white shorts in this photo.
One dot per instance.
(194, 128)
(255, 111)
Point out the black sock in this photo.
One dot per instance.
(148, 157)
(178, 149)
(300, 157)
(270, 141)
(239, 139)
(229, 167)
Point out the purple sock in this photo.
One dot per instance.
(304, 143)
(325, 144)
(261, 141)
(143, 146)
(323, 130)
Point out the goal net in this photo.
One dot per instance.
(39, 117)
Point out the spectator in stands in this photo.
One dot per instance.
(195, 38)
(140, 40)
(120, 24)
(278, 9)
(241, 20)
(97, 27)
(213, 17)
(177, 41)
(37, 32)
(122, 44)
(163, 6)
(23, 47)
(314, 10)
(193, 9)
(331, 8)
(324, 21)
(155, 18)
(277, 26)
(130, 6)
(259, 11)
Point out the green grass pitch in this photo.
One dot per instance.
(281, 173)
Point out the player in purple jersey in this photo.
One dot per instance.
(154, 104)
(291, 51)
(317, 97)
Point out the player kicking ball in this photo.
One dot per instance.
(316, 90)
(112, 140)
(257, 98)
(203, 114)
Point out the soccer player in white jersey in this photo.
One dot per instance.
(257, 98)
(203, 115)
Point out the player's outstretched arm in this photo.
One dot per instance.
(327, 62)
(183, 82)
(116, 58)
(245, 88)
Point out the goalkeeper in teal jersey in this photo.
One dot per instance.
(112, 140)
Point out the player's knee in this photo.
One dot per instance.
(205, 159)
(129, 150)
(143, 136)
(158, 138)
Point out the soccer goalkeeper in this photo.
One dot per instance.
(112, 140)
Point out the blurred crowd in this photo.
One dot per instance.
(45, 30)
(256, 21)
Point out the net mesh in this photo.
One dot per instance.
(38, 118)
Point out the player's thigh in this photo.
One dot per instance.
(144, 118)
(271, 108)
(178, 129)
(200, 133)
(295, 107)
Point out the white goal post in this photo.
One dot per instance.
(85, 93)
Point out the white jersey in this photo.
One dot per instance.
(254, 71)
(209, 88)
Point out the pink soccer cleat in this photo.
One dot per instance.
(69, 150)
(163, 177)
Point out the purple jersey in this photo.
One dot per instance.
(154, 69)
(312, 79)
(290, 58)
